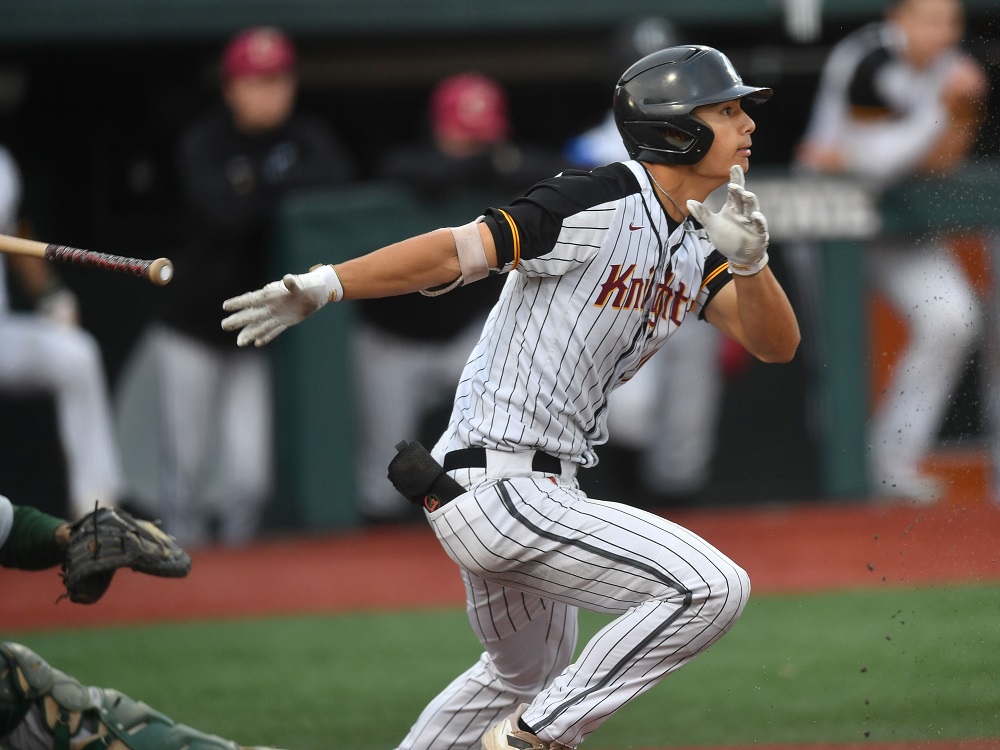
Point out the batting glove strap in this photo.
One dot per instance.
(327, 275)
(748, 269)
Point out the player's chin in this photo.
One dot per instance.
(743, 159)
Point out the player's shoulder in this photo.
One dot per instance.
(593, 186)
(868, 47)
(205, 131)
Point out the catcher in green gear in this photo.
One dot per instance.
(42, 708)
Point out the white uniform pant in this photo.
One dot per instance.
(942, 314)
(533, 549)
(397, 381)
(210, 415)
(41, 356)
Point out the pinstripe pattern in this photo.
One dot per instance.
(576, 322)
(580, 313)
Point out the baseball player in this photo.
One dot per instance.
(42, 708)
(898, 98)
(603, 266)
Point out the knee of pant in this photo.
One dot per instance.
(725, 595)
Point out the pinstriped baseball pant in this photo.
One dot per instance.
(533, 549)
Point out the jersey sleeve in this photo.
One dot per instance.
(865, 96)
(530, 227)
(716, 276)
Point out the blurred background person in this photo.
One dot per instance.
(410, 350)
(46, 351)
(899, 99)
(662, 446)
(214, 400)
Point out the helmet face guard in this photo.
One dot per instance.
(654, 99)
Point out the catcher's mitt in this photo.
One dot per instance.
(105, 540)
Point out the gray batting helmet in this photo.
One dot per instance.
(654, 99)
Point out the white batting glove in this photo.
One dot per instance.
(263, 314)
(739, 229)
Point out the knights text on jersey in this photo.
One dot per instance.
(600, 277)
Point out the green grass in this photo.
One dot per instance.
(889, 665)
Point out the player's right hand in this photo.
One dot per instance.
(260, 316)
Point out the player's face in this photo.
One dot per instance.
(732, 128)
(930, 27)
(261, 102)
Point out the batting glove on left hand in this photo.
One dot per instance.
(265, 313)
(739, 229)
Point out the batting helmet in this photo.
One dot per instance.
(654, 99)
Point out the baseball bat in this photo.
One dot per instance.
(158, 271)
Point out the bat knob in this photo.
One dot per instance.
(161, 271)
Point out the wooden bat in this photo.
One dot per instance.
(158, 271)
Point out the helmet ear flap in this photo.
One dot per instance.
(681, 140)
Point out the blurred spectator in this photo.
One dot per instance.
(410, 350)
(46, 351)
(665, 444)
(897, 99)
(215, 405)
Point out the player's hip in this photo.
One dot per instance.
(539, 536)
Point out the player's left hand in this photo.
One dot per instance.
(260, 316)
(106, 540)
(739, 229)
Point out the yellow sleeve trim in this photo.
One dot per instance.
(516, 239)
(716, 272)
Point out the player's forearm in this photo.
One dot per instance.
(421, 262)
(37, 540)
(770, 330)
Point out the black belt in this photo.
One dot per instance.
(475, 458)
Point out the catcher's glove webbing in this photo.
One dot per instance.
(105, 540)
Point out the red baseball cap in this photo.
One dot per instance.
(259, 51)
(470, 106)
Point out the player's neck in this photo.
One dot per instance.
(674, 187)
(670, 190)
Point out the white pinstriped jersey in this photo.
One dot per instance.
(600, 277)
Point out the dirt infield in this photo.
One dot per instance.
(785, 548)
